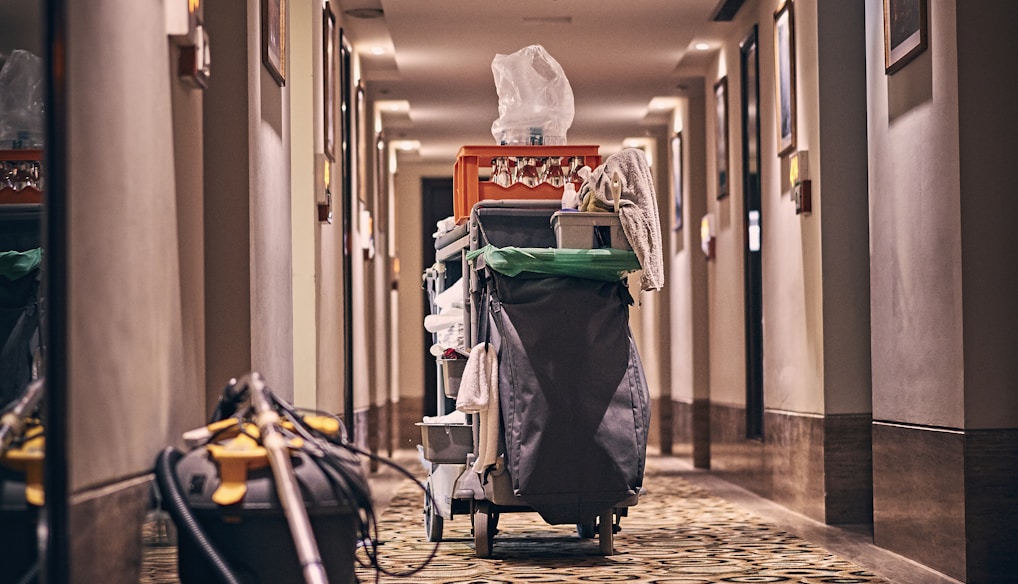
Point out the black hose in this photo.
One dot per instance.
(181, 513)
(32, 576)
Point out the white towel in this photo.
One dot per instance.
(637, 208)
(478, 394)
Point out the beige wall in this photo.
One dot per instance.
(687, 267)
(724, 272)
(815, 292)
(841, 203)
(126, 378)
(915, 238)
(408, 249)
(988, 89)
(943, 317)
(305, 140)
(270, 255)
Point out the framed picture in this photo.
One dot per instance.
(784, 73)
(677, 179)
(274, 39)
(721, 134)
(330, 61)
(360, 139)
(905, 31)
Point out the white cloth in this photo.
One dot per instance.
(438, 322)
(637, 208)
(451, 297)
(450, 418)
(479, 395)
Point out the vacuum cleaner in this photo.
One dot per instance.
(264, 494)
(22, 453)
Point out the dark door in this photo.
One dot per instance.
(752, 222)
(436, 204)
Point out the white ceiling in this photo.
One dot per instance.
(617, 56)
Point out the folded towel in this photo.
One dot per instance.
(637, 207)
(451, 297)
(451, 418)
(437, 322)
(478, 394)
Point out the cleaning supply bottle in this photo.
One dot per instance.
(570, 198)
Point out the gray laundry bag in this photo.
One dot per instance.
(573, 396)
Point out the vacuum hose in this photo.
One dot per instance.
(181, 513)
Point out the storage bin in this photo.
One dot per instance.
(446, 443)
(576, 230)
(452, 373)
(468, 188)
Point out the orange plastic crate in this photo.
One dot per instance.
(30, 195)
(468, 189)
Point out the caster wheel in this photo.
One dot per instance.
(484, 530)
(433, 522)
(586, 530)
(606, 533)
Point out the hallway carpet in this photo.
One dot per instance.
(678, 534)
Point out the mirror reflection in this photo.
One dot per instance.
(22, 91)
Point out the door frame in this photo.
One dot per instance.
(749, 71)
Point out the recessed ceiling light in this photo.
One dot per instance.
(663, 103)
(377, 50)
(408, 145)
(701, 46)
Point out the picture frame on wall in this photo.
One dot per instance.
(330, 62)
(784, 74)
(677, 179)
(721, 135)
(274, 39)
(905, 32)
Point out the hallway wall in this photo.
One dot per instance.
(687, 290)
(945, 435)
(412, 351)
(248, 216)
(305, 139)
(814, 455)
(135, 237)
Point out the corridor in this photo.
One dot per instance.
(690, 527)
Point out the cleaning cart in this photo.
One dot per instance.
(563, 429)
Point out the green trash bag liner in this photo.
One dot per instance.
(606, 265)
(15, 264)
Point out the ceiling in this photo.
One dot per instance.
(436, 55)
(617, 56)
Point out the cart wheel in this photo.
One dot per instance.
(606, 533)
(586, 530)
(433, 522)
(484, 529)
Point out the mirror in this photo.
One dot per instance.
(22, 93)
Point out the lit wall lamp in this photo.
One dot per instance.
(707, 236)
(798, 178)
(185, 24)
(323, 187)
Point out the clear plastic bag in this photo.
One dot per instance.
(535, 100)
(22, 95)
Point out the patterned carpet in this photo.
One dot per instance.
(678, 534)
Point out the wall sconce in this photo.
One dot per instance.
(707, 236)
(185, 20)
(323, 187)
(798, 177)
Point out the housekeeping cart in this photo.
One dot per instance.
(561, 429)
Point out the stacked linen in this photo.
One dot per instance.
(447, 323)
